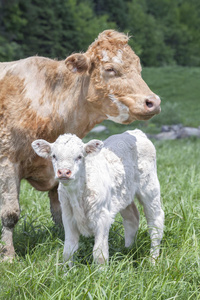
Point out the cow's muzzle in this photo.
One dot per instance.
(152, 104)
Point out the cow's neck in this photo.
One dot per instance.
(78, 115)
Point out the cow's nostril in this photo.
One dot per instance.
(149, 104)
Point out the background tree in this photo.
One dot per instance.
(12, 22)
(164, 32)
(117, 10)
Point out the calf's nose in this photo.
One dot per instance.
(64, 173)
(152, 104)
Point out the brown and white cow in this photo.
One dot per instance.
(43, 98)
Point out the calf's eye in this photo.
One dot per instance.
(54, 157)
(79, 157)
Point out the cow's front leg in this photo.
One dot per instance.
(101, 250)
(131, 219)
(9, 205)
(55, 206)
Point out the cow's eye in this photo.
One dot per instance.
(79, 157)
(110, 70)
(54, 157)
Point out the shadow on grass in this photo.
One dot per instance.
(29, 235)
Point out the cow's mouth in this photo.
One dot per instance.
(148, 115)
(145, 109)
(141, 117)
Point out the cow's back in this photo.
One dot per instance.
(25, 66)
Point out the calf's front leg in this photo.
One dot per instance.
(72, 233)
(100, 250)
(71, 241)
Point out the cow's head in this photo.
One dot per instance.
(68, 154)
(116, 88)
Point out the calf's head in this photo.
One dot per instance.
(67, 154)
(116, 88)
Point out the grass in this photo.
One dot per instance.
(178, 88)
(38, 272)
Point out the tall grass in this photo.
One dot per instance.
(38, 272)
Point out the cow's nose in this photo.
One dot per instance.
(64, 173)
(152, 104)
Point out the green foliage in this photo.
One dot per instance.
(116, 9)
(8, 50)
(52, 28)
(164, 32)
(148, 38)
(11, 24)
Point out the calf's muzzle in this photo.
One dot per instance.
(64, 174)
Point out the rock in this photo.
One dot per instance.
(170, 135)
(188, 131)
(172, 132)
(99, 129)
(166, 128)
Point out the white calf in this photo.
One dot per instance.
(99, 179)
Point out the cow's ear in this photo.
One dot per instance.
(77, 63)
(42, 148)
(93, 146)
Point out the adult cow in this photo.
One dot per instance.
(43, 98)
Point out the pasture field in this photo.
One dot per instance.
(38, 273)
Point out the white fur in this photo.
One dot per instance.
(103, 183)
(105, 56)
(123, 111)
(118, 57)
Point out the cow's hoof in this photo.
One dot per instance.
(7, 255)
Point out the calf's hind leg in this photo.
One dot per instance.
(9, 205)
(149, 196)
(131, 219)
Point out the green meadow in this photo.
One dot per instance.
(38, 272)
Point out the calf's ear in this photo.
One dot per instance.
(93, 146)
(42, 148)
(77, 63)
